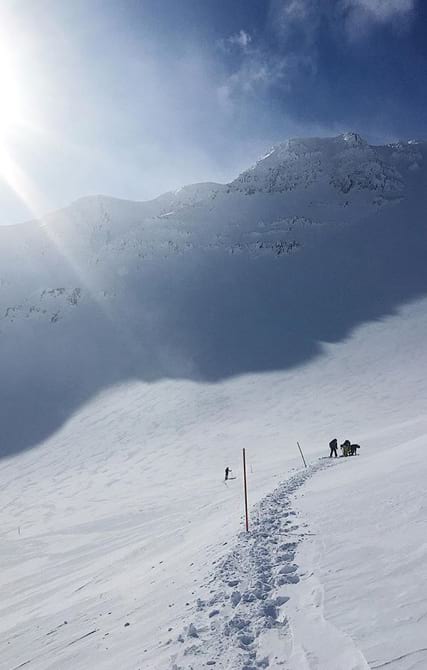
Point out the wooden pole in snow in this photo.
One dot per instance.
(245, 484)
(302, 455)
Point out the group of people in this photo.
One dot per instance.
(347, 448)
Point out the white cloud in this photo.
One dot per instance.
(288, 16)
(257, 72)
(262, 67)
(304, 16)
(382, 10)
(362, 15)
(241, 39)
(294, 27)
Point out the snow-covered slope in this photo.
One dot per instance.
(299, 289)
(344, 165)
(208, 282)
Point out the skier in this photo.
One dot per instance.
(227, 472)
(353, 449)
(333, 444)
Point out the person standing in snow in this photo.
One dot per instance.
(227, 472)
(346, 448)
(333, 445)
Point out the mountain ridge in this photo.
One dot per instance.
(108, 290)
(410, 152)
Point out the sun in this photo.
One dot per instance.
(13, 123)
(11, 102)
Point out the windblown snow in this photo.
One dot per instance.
(143, 345)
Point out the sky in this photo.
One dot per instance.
(138, 97)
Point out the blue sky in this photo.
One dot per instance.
(137, 97)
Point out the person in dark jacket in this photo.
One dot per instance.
(227, 472)
(345, 447)
(333, 445)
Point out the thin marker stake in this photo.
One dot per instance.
(302, 455)
(246, 491)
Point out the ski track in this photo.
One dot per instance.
(246, 597)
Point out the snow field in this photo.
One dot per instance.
(370, 519)
(143, 345)
(122, 517)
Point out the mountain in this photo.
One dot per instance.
(319, 236)
(144, 344)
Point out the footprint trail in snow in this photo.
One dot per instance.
(248, 592)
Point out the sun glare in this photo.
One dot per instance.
(11, 105)
(11, 119)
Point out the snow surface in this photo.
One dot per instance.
(141, 352)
